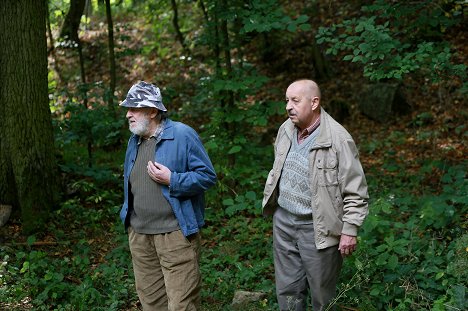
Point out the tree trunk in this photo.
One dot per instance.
(72, 20)
(27, 167)
(229, 95)
(321, 66)
(213, 26)
(110, 30)
(51, 49)
(227, 53)
(175, 23)
(69, 31)
(320, 63)
(49, 30)
(216, 48)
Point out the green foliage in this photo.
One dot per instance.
(265, 16)
(238, 256)
(76, 279)
(249, 201)
(93, 123)
(67, 283)
(57, 11)
(412, 249)
(411, 255)
(92, 126)
(395, 40)
(406, 243)
(233, 136)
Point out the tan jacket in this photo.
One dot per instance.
(336, 179)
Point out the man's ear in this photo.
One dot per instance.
(154, 113)
(315, 103)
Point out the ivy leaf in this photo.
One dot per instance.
(305, 27)
(31, 240)
(251, 195)
(228, 202)
(234, 149)
(393, 262)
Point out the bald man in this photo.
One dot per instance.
(317, 194)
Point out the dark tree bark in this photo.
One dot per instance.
(219, 42)
(216, 43)
(110, 30)
(321, 66)
(227, 53)
(175, 23)
(213, 26)
(49, 30)
(72, 20)
(51, 49)
(28, 178)
(228, 101)
(69, 32)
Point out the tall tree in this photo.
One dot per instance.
(69, 32)
(175, 23)
(71, 24)
(110, 31)
(27, 166)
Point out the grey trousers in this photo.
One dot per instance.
(300, 266)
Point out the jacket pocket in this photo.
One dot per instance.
(327, 171)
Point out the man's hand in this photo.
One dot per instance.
(347, 245)
(159, 173)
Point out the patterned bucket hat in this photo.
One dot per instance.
(144, 94)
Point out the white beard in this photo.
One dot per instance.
(140, 128)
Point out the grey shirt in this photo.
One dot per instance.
(152, 213)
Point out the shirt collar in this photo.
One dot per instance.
(309, 130)
(157, 133)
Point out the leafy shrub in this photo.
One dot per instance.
(93, 126)
(394, 40)
(405, 245)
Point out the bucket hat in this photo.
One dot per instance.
(144, 94)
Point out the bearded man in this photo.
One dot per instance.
(166, 172)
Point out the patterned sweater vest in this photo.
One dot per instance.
(294, 189)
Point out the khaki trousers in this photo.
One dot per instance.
(301, 268)
(167, 273)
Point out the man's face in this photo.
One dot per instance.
(139, 120)
(299, 105)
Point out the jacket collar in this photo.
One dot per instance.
(168, 132)
(324, 138)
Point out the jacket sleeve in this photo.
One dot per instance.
(199, 175)
(353, 188)
(270, 192)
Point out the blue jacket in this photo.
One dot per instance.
(181, 150)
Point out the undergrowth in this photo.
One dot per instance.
(411, 256)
